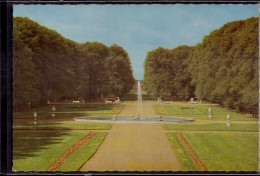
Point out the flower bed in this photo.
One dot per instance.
(194, 157)
(70, 150)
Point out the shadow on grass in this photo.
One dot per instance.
(48, 115)
(27, 143)
(76, 107)
(30, 138)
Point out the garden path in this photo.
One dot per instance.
(134, 147)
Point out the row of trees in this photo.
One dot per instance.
(223, 68)
(166, 73)
(47, 66)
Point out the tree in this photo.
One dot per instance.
(119, 71)
(224, 67)
(166, 73)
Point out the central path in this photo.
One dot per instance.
(134, 147)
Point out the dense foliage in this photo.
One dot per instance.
(223, 68)
(47, 66)
(166, 73)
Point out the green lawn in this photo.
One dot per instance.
(35, 151)
(220, 152)
(211, 127)
(72, 110)
(61, 125)
(226, 152)
(199, 111)
(183, 156)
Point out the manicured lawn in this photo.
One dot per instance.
(226, 152)
(72, 110)
(48, 115)
(199, 111)
(61, 125)
(183, 157)
(211, 127)
(35, 151)
(83, 154)
(220, 152)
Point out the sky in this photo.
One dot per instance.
(137, 28)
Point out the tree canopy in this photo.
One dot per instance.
(223, 68)
(47, 66)
(166, 72)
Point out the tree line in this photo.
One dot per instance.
(47, 66)
(222, 69)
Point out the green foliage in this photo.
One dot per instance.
(166, 73)
(224, 67)
(52, 62)
(48, 66)
(119, 71)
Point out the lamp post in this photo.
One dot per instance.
(53, 109)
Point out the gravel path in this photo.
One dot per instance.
(134, 147)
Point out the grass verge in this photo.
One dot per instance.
(212, 127)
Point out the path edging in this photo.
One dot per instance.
(70, 150)
(200, 166)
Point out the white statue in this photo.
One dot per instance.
(209, 110)
(228, 116)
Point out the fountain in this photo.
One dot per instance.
(139, 100)
(133, 119)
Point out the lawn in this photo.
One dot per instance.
(72, 110)
(183, 156)
(220, 152)
(35, 151)
(199, 111)
(226, 152)
(211, 127)
(61, 125)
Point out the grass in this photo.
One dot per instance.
(61, 125)
(226, 152)
(199, 111)
(219, 152)
(72, 110)
(83, 154)
(186, 162)
(35, 151)
(212, 127)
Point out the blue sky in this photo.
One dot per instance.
(137, 28)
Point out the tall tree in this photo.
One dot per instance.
(166, 72)
(119, 71)
(224, 67)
